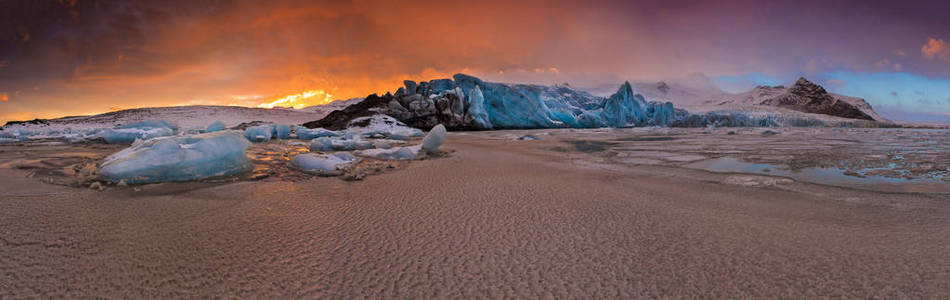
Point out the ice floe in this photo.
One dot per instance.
(179, 158)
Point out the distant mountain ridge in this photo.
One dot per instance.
(803, 96)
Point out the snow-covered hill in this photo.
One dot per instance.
(193, 116)
(185, 118)
(803, 99)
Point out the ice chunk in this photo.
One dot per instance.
(179, 158)
(339, 144)
(395, 153)
(382, 125)
(323, 164)
(216, 126)
(194, 130)
(283, 131)
(129, 135)
(305, 133)
(259, 133)
(434, 139)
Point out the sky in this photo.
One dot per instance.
(74, 57)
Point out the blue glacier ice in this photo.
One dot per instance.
(325, 144)
(492, 105)
(195, 130)
(305, 133)
(259, 133)
(283, 131)
(216, 126)
(179, 158)
(129, 135)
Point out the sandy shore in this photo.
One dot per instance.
(492, 219)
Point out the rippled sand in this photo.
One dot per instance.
(570, 215)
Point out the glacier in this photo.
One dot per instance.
(179, 158)
(466, 102)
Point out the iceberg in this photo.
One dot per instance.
(195, 130)
(282, 131)
(395, 153)
(305, 133)
(216, 126)
(323, 164)
(325, 144)
(129, 135)
(435, 138)
(382, 126)
(259, 133)
(180, 158)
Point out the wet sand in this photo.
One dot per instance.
(494, 218)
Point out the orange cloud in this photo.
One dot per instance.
(4, 97)
(936, 49)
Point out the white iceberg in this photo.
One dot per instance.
(179, 158)
(323, 164)
(325, 144)
(435, 138)
(394, 153)
(381, 126)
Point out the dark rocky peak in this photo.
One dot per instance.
(803, 87)
(662, 87)
(809, 97)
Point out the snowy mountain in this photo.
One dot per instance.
(128, 124)
(803, 99)
(192, 116)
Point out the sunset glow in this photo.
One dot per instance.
(300, 100)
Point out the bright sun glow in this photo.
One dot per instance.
(300, 100)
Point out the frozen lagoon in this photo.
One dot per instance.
(887, 160)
